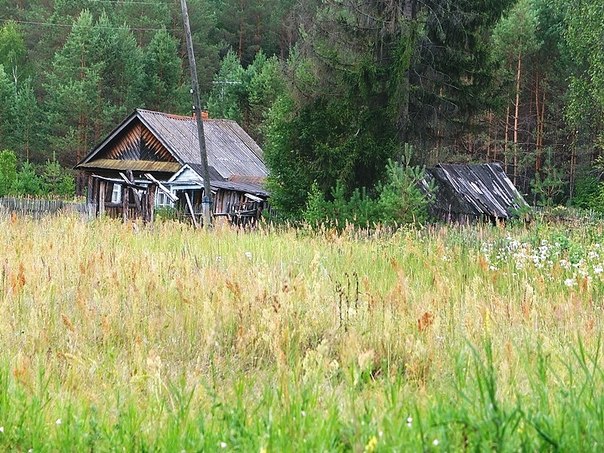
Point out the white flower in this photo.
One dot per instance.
(303, 414)
(58, 422)
(1, 429)
(409, 422)
(598, 269)
(223, 445)
(248, 255)
(565, 264)
(435, 442)
(570, 282)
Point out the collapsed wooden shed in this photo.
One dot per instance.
(470, 192)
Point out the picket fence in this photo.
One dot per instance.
(39, 207)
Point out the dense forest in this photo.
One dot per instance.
(332, 89)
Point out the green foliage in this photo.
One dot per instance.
(399, 201)
(358, 210)
(226, 97)
(27, 181)
(584, 30)
(586, 192)
(57, 180)
(8, 171)
(12, 49)
(549, 184)
(28, 129)
(7, 93)
(163, 75)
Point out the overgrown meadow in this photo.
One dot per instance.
(165, 338)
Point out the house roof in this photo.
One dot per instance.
(231, 151)
(197, 169)
(475, 190)
(247, 187)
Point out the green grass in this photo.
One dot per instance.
(170, 339)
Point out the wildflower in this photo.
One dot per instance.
(223, 445)
(409, 422)
(598, 269)
(569, 282)
(380, 433)
(371, 445)
(58, 422)
(435, 442)
(1, 429)
(565, 264)
(303, 413)
(248, 255)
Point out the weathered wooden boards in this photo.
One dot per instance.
(137, 197)
(37, 207)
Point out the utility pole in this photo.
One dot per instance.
(207, 198)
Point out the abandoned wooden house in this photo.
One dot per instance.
(470, 192)
(152, 159)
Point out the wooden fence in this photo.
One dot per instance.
(38, 207)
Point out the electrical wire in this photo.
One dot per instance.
(50, 24)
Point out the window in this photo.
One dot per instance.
(161, 199)
(116, 194)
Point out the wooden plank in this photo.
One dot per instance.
(89, 189)
(119, 181)
(102, 185)
(125, 199)
(161, 187)
(150, 202)
(191, 210)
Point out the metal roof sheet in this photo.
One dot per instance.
(231, 151)
(476, 190)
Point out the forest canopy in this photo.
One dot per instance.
(333, 90)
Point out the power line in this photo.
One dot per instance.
(126, 2)
(50, 24)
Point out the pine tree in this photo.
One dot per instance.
(162, 75)
(74, 98)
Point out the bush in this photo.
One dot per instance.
(399, 201)
(57, 180)
(587, 191)
(28, 182)
(8, 171)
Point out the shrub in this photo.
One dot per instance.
(27, 182)
(399, 201)
(8, 171)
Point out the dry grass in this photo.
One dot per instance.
(169, 338)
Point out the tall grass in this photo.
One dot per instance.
(167, 338)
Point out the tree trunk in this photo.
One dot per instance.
(409, 8)
(516, 116)
(506, 138)
(537, 125)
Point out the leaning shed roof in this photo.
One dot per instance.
(231, 151)
(476, 190)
